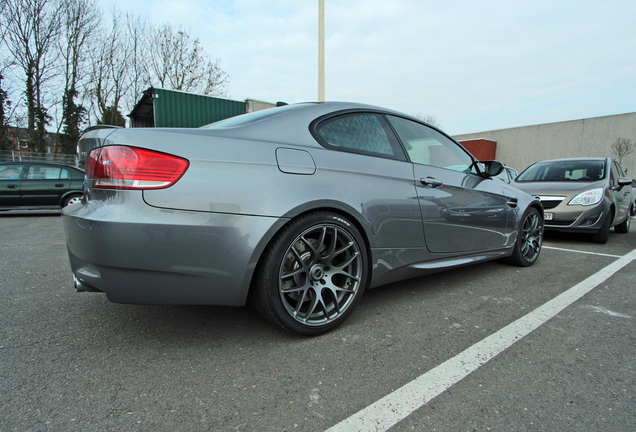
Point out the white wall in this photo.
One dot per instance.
(521, 146)
(255, 105)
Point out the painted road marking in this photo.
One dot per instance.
(396, 406)
(580, 251)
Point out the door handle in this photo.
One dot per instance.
(431, 182)
(12, 186)
(59, 184)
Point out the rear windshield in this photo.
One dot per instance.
(564, 171)
(252, 117)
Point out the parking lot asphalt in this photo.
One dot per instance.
(76, 362)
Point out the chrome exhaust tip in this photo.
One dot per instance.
(83, 287)
(79, 287)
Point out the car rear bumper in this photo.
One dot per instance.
(140, 254)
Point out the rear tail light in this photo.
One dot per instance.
(122, 167)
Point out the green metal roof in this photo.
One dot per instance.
(172, 108)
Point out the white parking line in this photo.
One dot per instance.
(396, 406)
(580, 251)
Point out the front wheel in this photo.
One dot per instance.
(312, 275)
(623, 227)
(529, 240)
(602, 235)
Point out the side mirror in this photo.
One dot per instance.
(624, 181)
(493, 168)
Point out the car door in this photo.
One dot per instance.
(378, 178)
(10, 184)
(461, 210)
(44, 185)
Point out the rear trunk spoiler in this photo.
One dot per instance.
(92, 137)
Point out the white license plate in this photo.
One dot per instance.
(548, 216)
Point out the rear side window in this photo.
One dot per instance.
(72, 174)
(365, 133)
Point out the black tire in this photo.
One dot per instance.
(312, 274)
(602, 235)
(529, 239)
(72, 199)
(623, 227)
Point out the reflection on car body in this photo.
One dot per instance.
(299, 208)
(588, 195)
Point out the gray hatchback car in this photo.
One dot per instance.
(589, 195)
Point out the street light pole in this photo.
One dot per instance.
(321, 50)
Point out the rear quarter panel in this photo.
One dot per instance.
(241, 176)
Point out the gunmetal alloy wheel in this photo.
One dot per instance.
(528, 246)
(320, 274)
(313, 274)
(531, 236)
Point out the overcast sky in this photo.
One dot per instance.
(474, 65)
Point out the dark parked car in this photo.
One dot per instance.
(588, 195)
(300, 208)
(39, 185)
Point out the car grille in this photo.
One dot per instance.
(550, 202)
(559, 223)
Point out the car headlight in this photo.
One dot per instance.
(588, 198)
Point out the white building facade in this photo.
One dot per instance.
(592, 137)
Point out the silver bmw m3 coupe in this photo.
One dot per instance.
(299, 208)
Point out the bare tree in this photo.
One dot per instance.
(75, 65)
(111, 74)
(137, 32)
(5, 144)
(3, 27)
(5, 103)
(623, 147)
(32, 30)
(428, 118)
(80, 21)
(178, 62)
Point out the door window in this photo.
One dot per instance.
(619, 170)
(614, 175)
(427, 146)
(40, 172)
(10, 172)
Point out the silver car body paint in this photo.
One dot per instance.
(199, 241)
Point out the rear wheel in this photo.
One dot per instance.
(529, 241)
(72, 199)
(312, 275)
